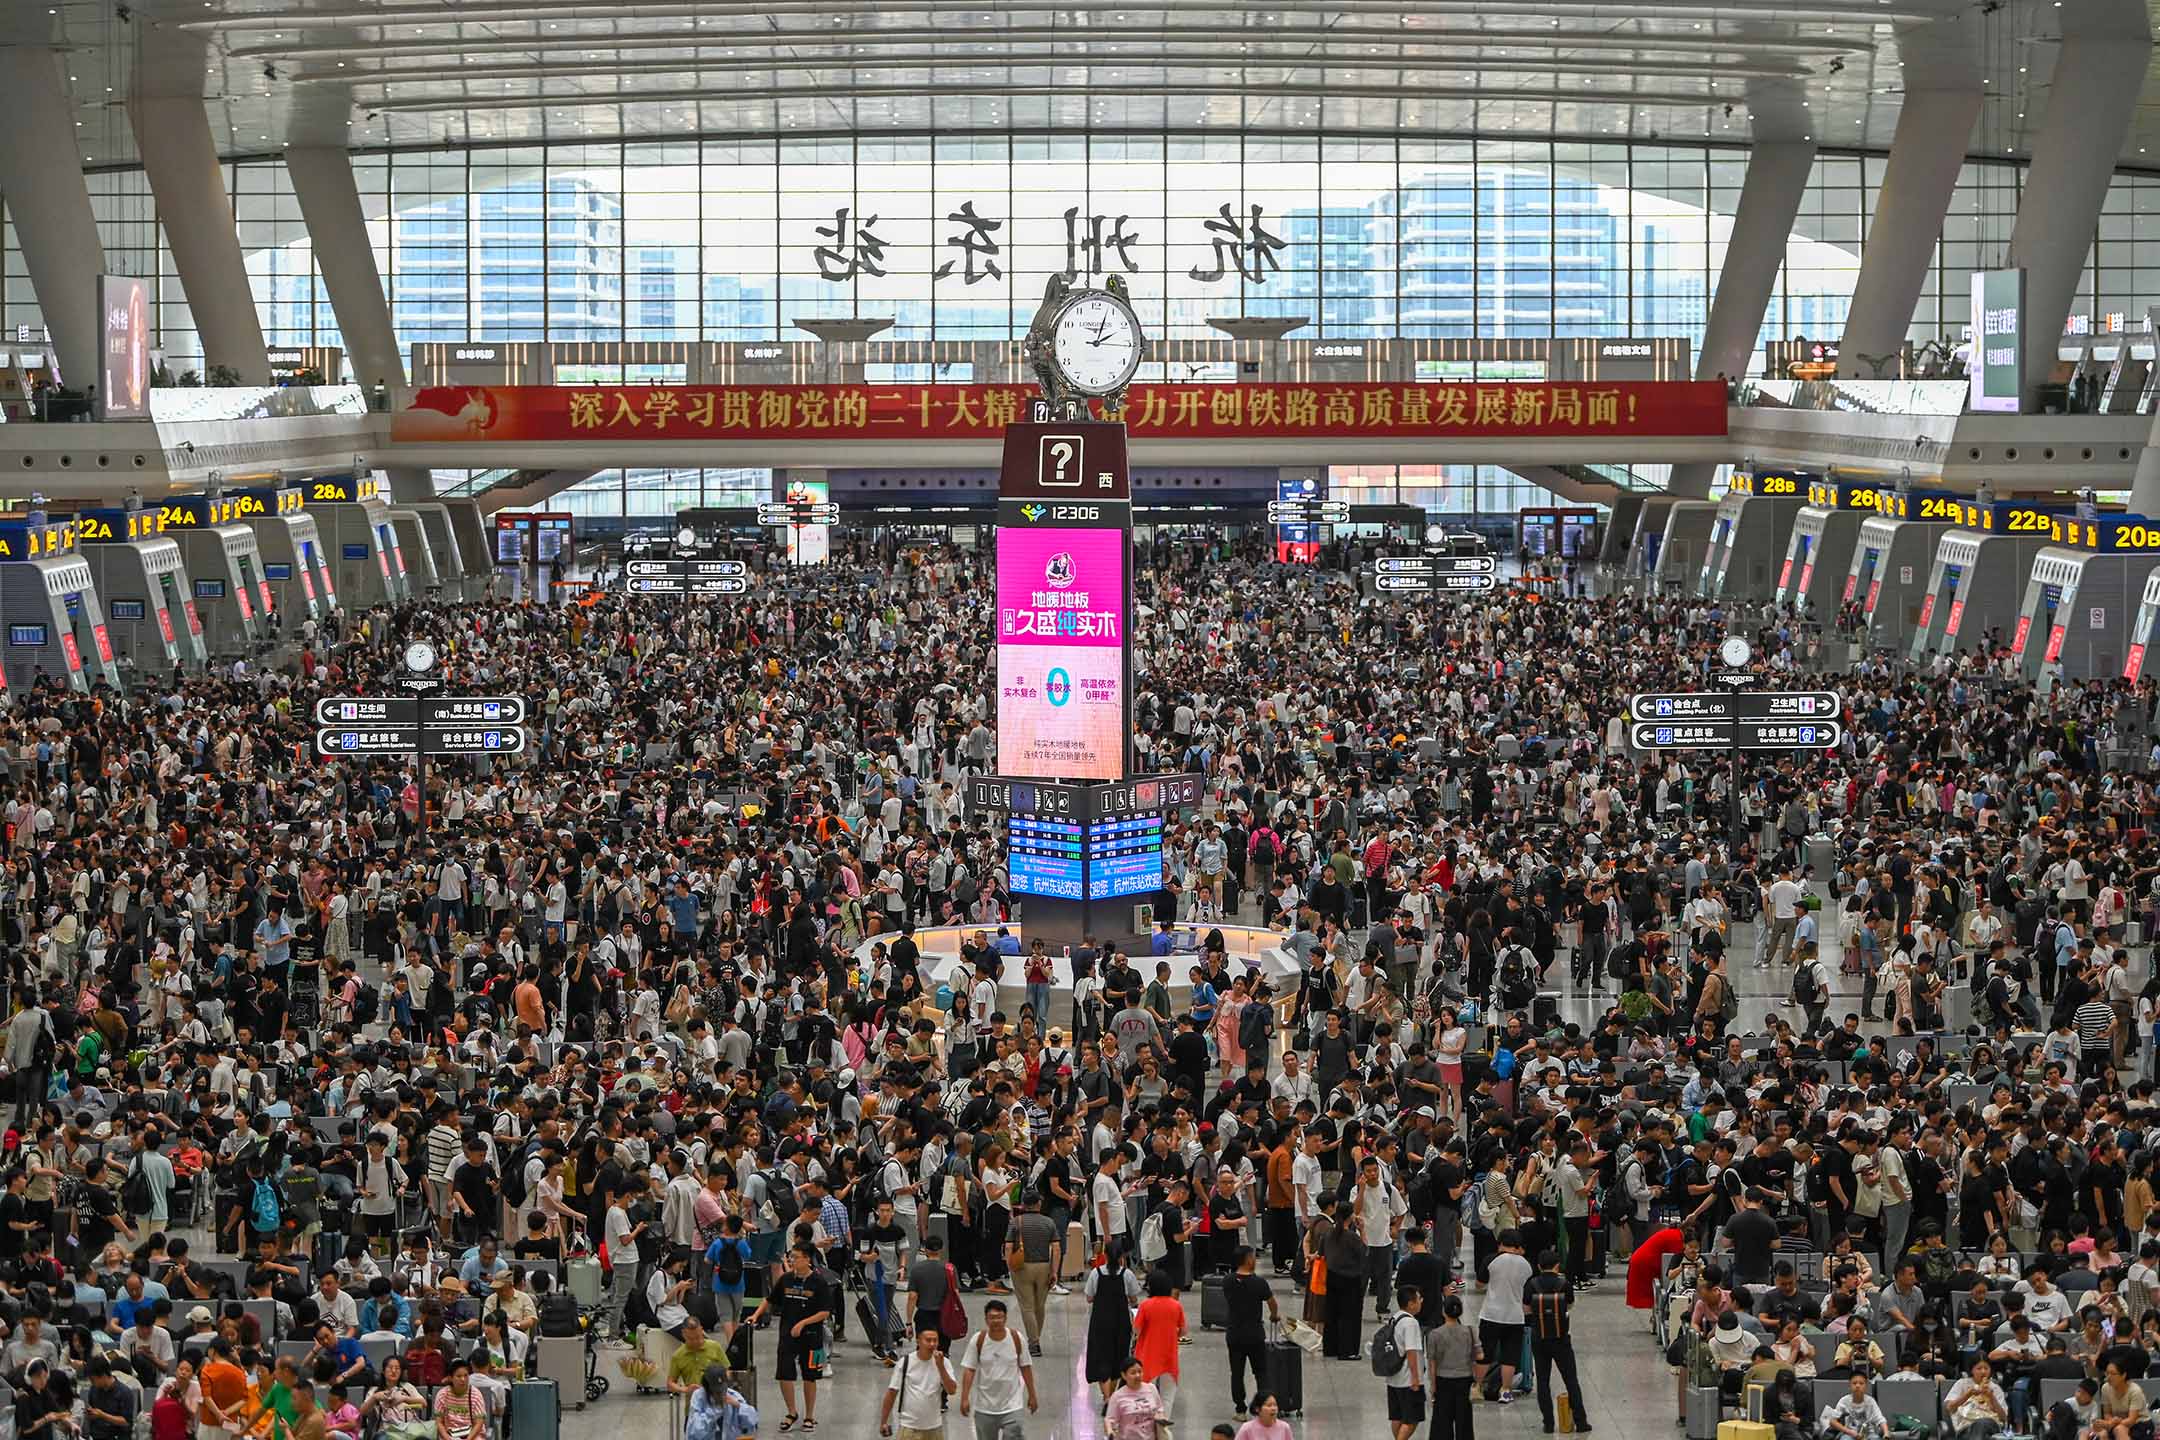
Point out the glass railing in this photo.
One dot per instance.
(1620, 476)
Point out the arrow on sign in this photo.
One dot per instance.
(472, 710)
(718, 567)
(335, 740)
(1403, 565)
(719, 585)
(1468, 582)
(649, 567)
(1753, 734)
(1403, 582)
(1466, 564)
(672, 585)
(487, 740)
(1748, 705)
(365, 710)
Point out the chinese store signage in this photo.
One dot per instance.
(937, 412)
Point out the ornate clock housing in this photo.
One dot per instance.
(1085, 343)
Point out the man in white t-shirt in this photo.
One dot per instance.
(1781, 907)
(997, 1377)
(1106, 1201)
(1406, 1387)
(1500, 1320)
(1306, 1179)
(916, 1393)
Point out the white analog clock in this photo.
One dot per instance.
(1095, 343)
(419, 657)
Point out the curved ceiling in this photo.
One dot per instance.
(416, 72)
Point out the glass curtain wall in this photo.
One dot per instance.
(953, 237)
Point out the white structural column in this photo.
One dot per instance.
(322, 181)
(1933, 130)
(2092, 97)
(1777, 176)
(172, 134)
(42, 181)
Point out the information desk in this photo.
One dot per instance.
(1247, 946)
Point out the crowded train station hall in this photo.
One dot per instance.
(1239, 720)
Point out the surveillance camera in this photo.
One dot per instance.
(1837, 65)
(126, 16)
(269, 71)
(1728, 110)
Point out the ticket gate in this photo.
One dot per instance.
(2071, 624)
(149, 608)
(1745, 536)
(55, 624)
(411, 549)
(1891, 560)
(1973, 587)
(1816, 558)
(354, 537)
(475, 542)
(1687, 537)
(2141, 629)
(295, 567)
(453, 570)
(232, 599)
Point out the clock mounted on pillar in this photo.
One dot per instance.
(1084, 343)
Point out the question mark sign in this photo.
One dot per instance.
(1061, 452)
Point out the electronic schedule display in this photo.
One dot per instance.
(1043, 856)
(1124, 856)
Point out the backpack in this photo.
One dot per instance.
(1253, 1024)
(728, 1269)
(513, 1176)
(303, 1197)
(559, 1314)
(135, 1194)
(1804, 989)
(1264, 850)
(367, 1003)
(1516, 989)
(1385, 1351)
(1152, 1245)
(1728, 1001)
(780, 1198)
(264, 1211)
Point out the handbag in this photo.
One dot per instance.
(952, 1315)
(1317, 1283)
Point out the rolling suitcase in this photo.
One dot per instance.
(1282, 1372)
(535, 1411)
(582, 1276)
(873, 1328)
(1704, 1409)
(1073, 1262)
(1214, 1304)
(561, 1359)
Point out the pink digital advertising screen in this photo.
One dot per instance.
(1061, 652)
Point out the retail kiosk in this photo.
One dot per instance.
(142, 581)
(1679, 554)
(1977, 579)
(1748, 532)
(2072, 623)
(55, 624)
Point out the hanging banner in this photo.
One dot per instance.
(945, 412)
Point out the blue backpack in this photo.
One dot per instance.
(263, 1210)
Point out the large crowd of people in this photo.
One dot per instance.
(300, 1053)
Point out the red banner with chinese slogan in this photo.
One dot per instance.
(949, 412)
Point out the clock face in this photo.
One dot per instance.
(1096, 345)
(419, 657)
(1736, 651)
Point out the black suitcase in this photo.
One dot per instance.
(873, 1328)
(1544, 1011)
(1214, 1304)
(1282, 1373)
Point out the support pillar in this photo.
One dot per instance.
(2092, 98)
(42, 181)
(1933, 130)
(322, 181)
(172, 134)
(1777, 176)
